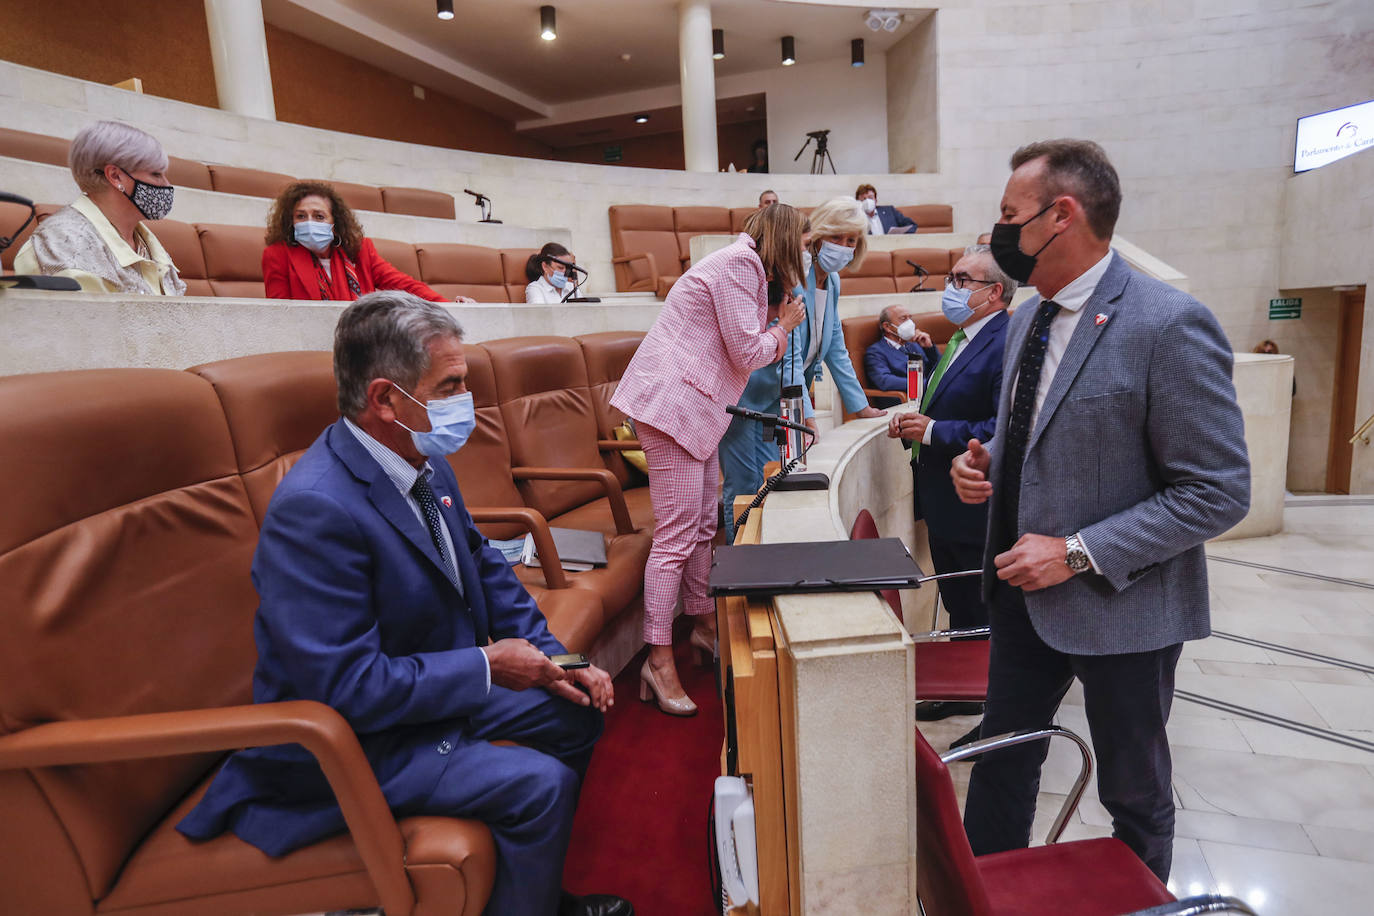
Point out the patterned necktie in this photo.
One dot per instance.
(955, 341)
(1022, 409)
(429, 507)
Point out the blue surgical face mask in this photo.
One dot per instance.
(834, 258)
(451, 422)
(954, 303)
(314, 235)
(559, 279)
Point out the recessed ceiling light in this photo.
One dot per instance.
(856, 53)
(789, 50)
(444, 9)
(642, 119)
(548, 30)
(717, 44)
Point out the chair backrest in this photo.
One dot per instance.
(931, 217)
(940, 328)
(865, 528)
(12, 216)
(462, 270)
(188, 173)
(640, 228)
(513, 262)
(947, 879)
(183, 245)
(737, 217)
(231, 179)
(860, 333)
(233, 259)
(483, 465)
(607, 354)
(541, 384)
(276, 405)
(21, 144)
(357, 196)
(693, 221)
(418, 202)
(400, 255)
(872, 275)
(124, 575)
(935, 261)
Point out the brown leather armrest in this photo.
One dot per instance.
(614, 495)
(640, 256)
(619, 445)
(534, 522)
(319, 728)
(875, 393)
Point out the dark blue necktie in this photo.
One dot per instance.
(429, 507)
(1022, 411)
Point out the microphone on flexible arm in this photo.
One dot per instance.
(772, 418)
(484, 202)
(920, 272)
(568, 264)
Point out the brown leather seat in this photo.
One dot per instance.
(231, 179)
(872, 275)
(513, 261)
(689, 222)
(606, 355)
(462, 270)
(400, 255)
(357, 196)
(21, 144)
(188, 173)
(418, 202)
(935, 261)
(930, 217)
(860, 333)
(644, 248)
(183, 244)
(12, 216)
(737, 217)
(233, 259)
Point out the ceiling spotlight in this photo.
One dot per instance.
(717, 44)
(856, 53)
(445, 9)
(547, 29)
(641, 119)
(789, 50)
(887, 20)
(891, 22)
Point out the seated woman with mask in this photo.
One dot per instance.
(101, 241)
(550, 280)
(316, 250)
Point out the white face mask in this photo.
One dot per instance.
(869, 205)
(907, 330)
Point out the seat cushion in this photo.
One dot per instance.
(170, 869)
(183, 245)
(1083, 878)
(596, 515)
(952, 670)
(575, 615)
(617, 584)
(462, 270)
(930, 217)
(233, 259)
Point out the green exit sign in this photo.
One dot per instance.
(612, 153)
(1285, 308)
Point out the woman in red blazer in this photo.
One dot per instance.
(714, 330)
(316, 250)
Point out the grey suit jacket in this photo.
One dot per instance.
(1141, 448)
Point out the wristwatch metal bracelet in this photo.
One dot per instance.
(1075, 557)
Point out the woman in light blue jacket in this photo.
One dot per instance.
(839, 233)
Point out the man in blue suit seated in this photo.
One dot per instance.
(882, 219)
(959, 404)
(885, 360)
(379, 597)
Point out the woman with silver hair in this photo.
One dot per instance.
(101, 240)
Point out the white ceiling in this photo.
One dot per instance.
(491, 54)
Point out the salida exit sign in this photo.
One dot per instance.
(1285, 308)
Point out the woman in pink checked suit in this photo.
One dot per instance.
(714, 331)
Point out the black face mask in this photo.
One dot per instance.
(152, 200)
(775, 293)
(1006, 248)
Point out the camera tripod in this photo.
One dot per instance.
(821, 155)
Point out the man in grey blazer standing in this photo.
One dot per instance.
(1119, 449)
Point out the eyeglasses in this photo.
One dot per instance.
(961, 281)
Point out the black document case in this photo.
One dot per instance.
(813, 567)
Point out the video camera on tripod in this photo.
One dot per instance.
(822, 154)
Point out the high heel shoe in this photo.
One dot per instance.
(650, 690)
(704, 643)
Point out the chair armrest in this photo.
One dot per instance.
(533, 522)
(935, 614)
(1203, 903)
(614, 494)
(1011, 739)
(619, 445)
(877, 393)
(641, 256)
(319, 728)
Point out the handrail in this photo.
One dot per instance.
(1363, 431)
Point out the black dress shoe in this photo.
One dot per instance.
(593, 905)
(967, 737)
(931, 710)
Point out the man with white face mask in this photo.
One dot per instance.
(882, 219)
(885, 361)
(959, 403)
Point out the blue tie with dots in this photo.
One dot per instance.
(429, 507)
(1022, 410)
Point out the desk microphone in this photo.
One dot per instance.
(484, 202)
(7, 197)
(761, 417)
(568, 264)
(482, 197)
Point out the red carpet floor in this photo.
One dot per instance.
(640, 831)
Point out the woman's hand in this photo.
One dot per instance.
(870, 412)
(464, 299)
(791, 312)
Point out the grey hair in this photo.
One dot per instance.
(884, 317)
(112, 143)
(385, 334)
(995, 273)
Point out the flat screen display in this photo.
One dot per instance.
(1324, 138)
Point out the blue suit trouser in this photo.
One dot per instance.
(743, 453)
(526, 795)
(1127, 699)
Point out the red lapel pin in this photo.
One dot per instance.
(447, 501)
(1101, 319)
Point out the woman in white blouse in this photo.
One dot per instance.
(551, 281)
(101, 240)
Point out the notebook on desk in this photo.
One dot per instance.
(578, 550)
(813, 567)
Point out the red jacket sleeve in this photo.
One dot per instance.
(276, 272)
(384, 276)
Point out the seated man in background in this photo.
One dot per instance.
(885, 219)
(379, 597)
(885, 360)
(101, 241)
(768, 198)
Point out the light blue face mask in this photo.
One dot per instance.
(834, 258)
(559, 279)
(451, 422)
(315, 235)
(954, 303)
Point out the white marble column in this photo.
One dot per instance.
(698, 76)
(238, 45)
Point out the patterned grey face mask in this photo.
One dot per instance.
(152, 200)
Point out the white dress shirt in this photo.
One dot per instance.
(542, 292)
(875, 224)
(970, 332)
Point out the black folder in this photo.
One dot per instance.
(813, 567)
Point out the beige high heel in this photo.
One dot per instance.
(650, 690)
(703, 644)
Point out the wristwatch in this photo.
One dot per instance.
(1075, 556)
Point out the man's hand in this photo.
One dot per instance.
(970, 474)
(869, 412)
(1034, 562)
(923, 339)
(597, 690)
(516, 664)
(911, 425)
